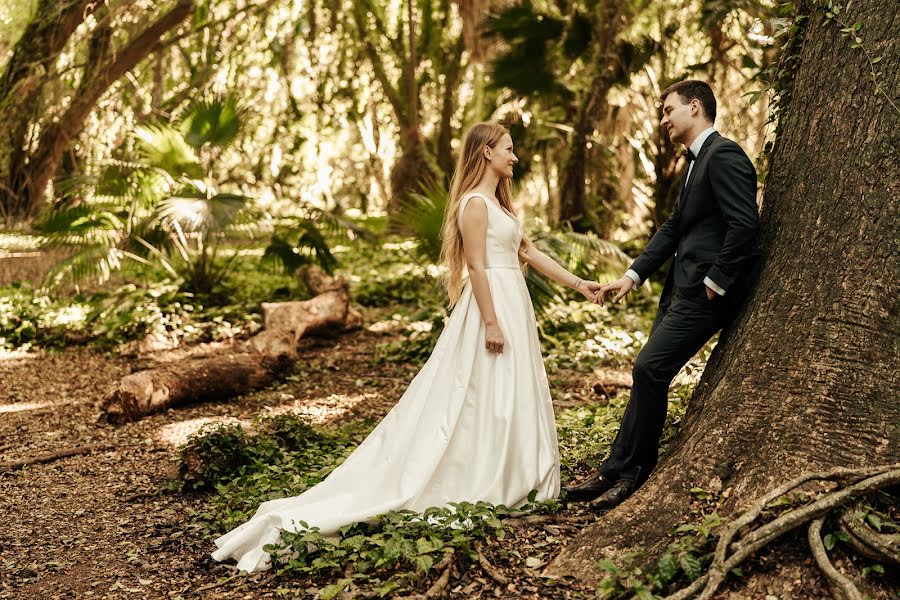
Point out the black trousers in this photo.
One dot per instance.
(680, 329)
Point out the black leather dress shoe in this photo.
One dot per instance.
(588, 490)
(614, 496)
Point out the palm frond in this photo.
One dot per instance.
(423, 215)
(94, 261)
(194, 212)
(337, 225)
(165, 148)
(580, 252)
(543, 293)
(82, 225)
(299, 246)
(217, 122)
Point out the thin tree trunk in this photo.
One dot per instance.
(444, 152)
(57, 136)
(807, 377)
(574, 205)
(21, 88)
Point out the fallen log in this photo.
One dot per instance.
(251, 365)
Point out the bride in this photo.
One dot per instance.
(476, 423)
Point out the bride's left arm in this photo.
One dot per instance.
(555, 271)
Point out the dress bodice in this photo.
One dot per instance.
(504, 234)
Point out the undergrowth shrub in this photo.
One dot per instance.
(281, 456)
(398, 549)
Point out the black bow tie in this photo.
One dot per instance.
(689, 156)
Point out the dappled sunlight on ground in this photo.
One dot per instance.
(176, 434)
(23, 406)
(14, 355)
(326, 409)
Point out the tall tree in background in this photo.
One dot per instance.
(806, 378)
(422, 37)
(543, 49)
(29, 163)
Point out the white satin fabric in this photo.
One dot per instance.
(472, 425)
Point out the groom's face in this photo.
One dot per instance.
(678, 116)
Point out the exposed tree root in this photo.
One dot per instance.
(876, 478)
(437, 589)
(848, 590)
(488, 568)
(50, 457)
(881, 547)
(717, 572)
(531, 520)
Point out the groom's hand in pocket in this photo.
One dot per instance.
(619, 287)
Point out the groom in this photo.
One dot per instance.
(712, 233)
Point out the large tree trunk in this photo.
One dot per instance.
(807, 377)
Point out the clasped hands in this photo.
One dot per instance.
(597, 293)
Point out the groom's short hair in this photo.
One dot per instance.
(691, 89)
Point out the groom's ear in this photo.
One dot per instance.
(696, 107)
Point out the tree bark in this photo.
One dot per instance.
(444, 151)
(807, 376)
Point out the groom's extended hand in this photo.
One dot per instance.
(620, 287)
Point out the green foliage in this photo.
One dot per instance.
(398, 547)
(299, 245)
(421, 332)
(282, 456)
(685, 559)
(161, 208)
(584, 254)
(586, 434)
(28, 319)
(387, 277)
(216, 123)
(105, 319)
(423, 215)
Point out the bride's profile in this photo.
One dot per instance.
(476, 423)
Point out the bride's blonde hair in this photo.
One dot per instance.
(470, 169)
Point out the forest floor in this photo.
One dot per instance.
(102, 525)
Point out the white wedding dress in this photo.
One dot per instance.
(473, 425)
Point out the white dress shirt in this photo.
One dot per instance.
(695, 147)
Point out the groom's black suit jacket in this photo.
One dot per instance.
(712, 229)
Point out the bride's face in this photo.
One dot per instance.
(501, 157)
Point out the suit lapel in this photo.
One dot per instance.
(706, 144)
